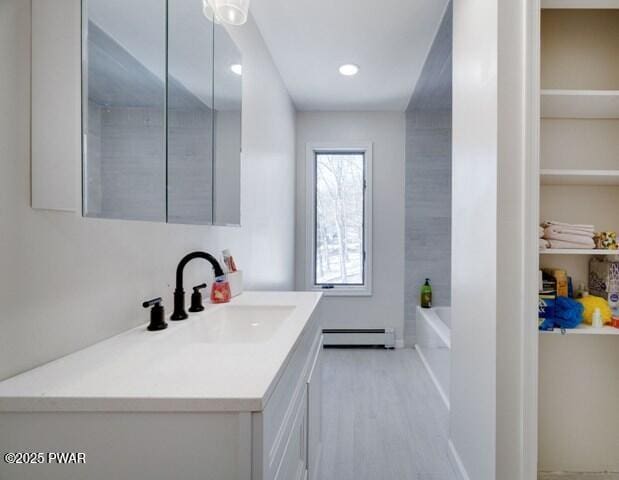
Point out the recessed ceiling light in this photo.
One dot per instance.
(237, 68)
(349, 69)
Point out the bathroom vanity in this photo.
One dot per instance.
(231, 393)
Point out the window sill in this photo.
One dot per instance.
(343, 292)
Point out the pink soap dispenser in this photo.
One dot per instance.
(220, 290)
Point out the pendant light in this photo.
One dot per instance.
(208, 9)
(232, 12)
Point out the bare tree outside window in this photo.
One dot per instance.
(339, 225)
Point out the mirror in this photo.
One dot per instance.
(161, 119)
(190, 114)
(227, 137)
(124, 162)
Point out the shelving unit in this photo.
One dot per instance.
(580, 4)
(580, 177)
(583, 330)
(576, 251)
(579, 183)
(580, 104)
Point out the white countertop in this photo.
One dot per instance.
(169, 370)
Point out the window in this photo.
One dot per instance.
(339, 200)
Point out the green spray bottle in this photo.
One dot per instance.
(426, 294)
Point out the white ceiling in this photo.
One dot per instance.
(310, 39)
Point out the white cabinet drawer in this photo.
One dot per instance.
(293, 464)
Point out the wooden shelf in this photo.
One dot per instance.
(583, 329)
(580, 104)
(577, 251)
(579, 177)
(589, 4)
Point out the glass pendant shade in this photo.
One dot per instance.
(233, 12)
(208, 9)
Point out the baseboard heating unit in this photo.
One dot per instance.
(359, 337)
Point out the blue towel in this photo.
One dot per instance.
(568, 314)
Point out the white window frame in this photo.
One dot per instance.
(312, 149)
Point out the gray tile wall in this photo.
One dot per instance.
(190, 165)
(92, 170)
(428, 180)
(127, 170)
(133, 171)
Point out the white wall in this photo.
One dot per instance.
(66, 281)
(474, 227)
(384, 309)
(488, 237)
(513, 314)
(578, 370)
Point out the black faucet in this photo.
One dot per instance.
(179, 293)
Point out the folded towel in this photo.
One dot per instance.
(553, 230)
(567, 245)
(543, 244)
(572, 239)
(575, 239)
(589, 228)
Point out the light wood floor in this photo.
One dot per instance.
(382, 418)
(578, 476)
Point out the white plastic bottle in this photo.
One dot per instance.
(597, 319)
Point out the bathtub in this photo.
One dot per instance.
(433, 330)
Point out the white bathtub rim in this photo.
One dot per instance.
(443, 312)
(435, 381)
(440, 328)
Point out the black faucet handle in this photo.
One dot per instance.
(153, 302)
(196, 299)
(157, 314)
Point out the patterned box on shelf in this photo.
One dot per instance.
(235, 279)
(604, 279)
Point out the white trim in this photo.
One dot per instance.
(457, 461)
(245, 436)
(530, 334)
(310, 151)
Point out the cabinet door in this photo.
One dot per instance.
(227, 77)
(124, 110)
(314, 415)
(190, 114)
(293, 465)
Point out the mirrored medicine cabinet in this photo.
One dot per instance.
(161, 113)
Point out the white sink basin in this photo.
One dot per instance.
(240, 324)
